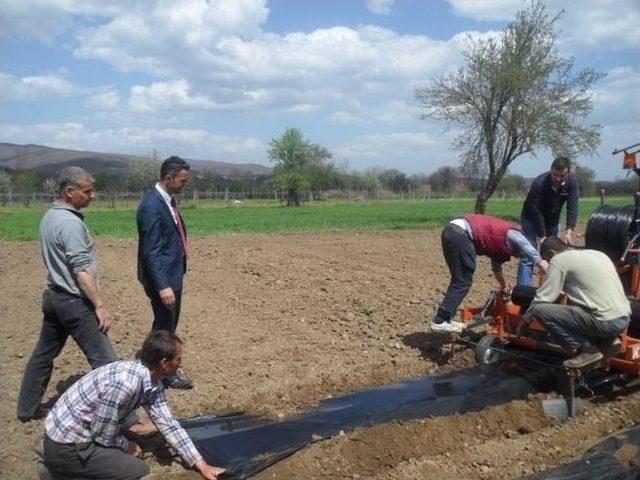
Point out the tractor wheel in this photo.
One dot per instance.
(489, 350)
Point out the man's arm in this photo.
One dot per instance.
(87, 283)
(521, 244)
(572, 209)
(552, 286)
(161, 416)
(531, 207)
(79, 255)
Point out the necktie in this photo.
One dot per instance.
(180, 225)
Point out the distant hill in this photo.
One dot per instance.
(48, 161)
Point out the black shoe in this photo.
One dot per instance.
(610, 347)
(40, 413)
(177, 382)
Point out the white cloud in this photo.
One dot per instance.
(488, 9)
(43, 20)
(160, 96)
(600, 26)
(108, 99)
(193, 143)
(381, 7)
(585, 25)
(38, 87)
(268, 70)
(616, 97)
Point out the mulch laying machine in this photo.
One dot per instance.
(614, 230)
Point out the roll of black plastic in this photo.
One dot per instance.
(609, 229)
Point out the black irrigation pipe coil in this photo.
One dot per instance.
(609, 230)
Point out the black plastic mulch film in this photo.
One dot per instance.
(245, 445)
(615, 458)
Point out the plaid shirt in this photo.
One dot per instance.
(92, 409)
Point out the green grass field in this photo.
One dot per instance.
(21, 224)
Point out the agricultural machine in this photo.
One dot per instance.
(613, 230)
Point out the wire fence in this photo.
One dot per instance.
(110, 199)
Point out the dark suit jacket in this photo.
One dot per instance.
(161, 260)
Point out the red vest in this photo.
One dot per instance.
(490, 236)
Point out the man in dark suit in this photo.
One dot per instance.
(163, 250)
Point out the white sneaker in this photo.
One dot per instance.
(447, 327)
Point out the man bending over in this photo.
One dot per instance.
(83, 437)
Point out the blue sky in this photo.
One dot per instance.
(218, 79)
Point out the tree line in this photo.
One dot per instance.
(303, 171)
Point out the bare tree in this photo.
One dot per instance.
(515, 95)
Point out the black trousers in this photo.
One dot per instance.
(460, 255)
(64, 315)
(163, 318)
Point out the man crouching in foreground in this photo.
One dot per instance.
(597, 310)
(83, 437)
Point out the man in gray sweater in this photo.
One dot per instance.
(597, 310)
(72, 303)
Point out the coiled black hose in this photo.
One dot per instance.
(609, 230)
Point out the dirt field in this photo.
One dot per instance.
(273, 324)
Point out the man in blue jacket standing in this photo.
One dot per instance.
(540, 217)
(163, 250)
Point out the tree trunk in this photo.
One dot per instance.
(481, 203)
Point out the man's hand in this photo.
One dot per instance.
(104, 318)
(143, 427)
(134, 449)
(568, 236)
(501, 280)
(543, 265)
(208, 471)
(168, 298)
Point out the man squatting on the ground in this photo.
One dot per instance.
(540, 215)
(163, 250)
(83, 432)
(464, 238)
(72, 303)
(597, 310)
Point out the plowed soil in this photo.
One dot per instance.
(274, 324)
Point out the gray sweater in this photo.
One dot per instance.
(589, 279)
(67, 247)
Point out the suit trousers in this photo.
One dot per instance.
(163, 318)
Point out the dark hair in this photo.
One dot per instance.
(72, 176)
(159, 344)
(552, 243)
(561, 163)
(173, 165)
